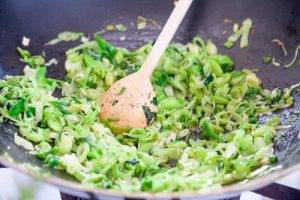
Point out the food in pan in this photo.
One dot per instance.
(207, 132)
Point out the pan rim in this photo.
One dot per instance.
(228, 190)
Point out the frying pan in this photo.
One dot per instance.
(42, 20)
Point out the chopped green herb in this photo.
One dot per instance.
(53, 161)
(273, 159)
(161, 78)
(133, 161)
(148, 114)
(30, 112)
(105, 49)
(267, 59)
(122, 91)
(209, 132)
(208, 79)
(33, 61)
(146, 185)
(24, 53)
(114, 102)
(17, 108)
(59, 106)
(154, 101)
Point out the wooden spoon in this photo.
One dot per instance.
(130, 102)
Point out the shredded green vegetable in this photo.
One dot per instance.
(65, 36)
(121, 27)
(242, 33)
(207, 121)
(294, 59)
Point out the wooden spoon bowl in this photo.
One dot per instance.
(130, 102)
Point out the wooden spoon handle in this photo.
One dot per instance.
(165, 37)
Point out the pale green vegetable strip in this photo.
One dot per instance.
(65, 36)
(211, 48)
(242, 32)
(295, 57)
(121, 27)
(24, 143)
(247, 25)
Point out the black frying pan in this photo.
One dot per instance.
(42, 20)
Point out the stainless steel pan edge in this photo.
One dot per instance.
(78, 189)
